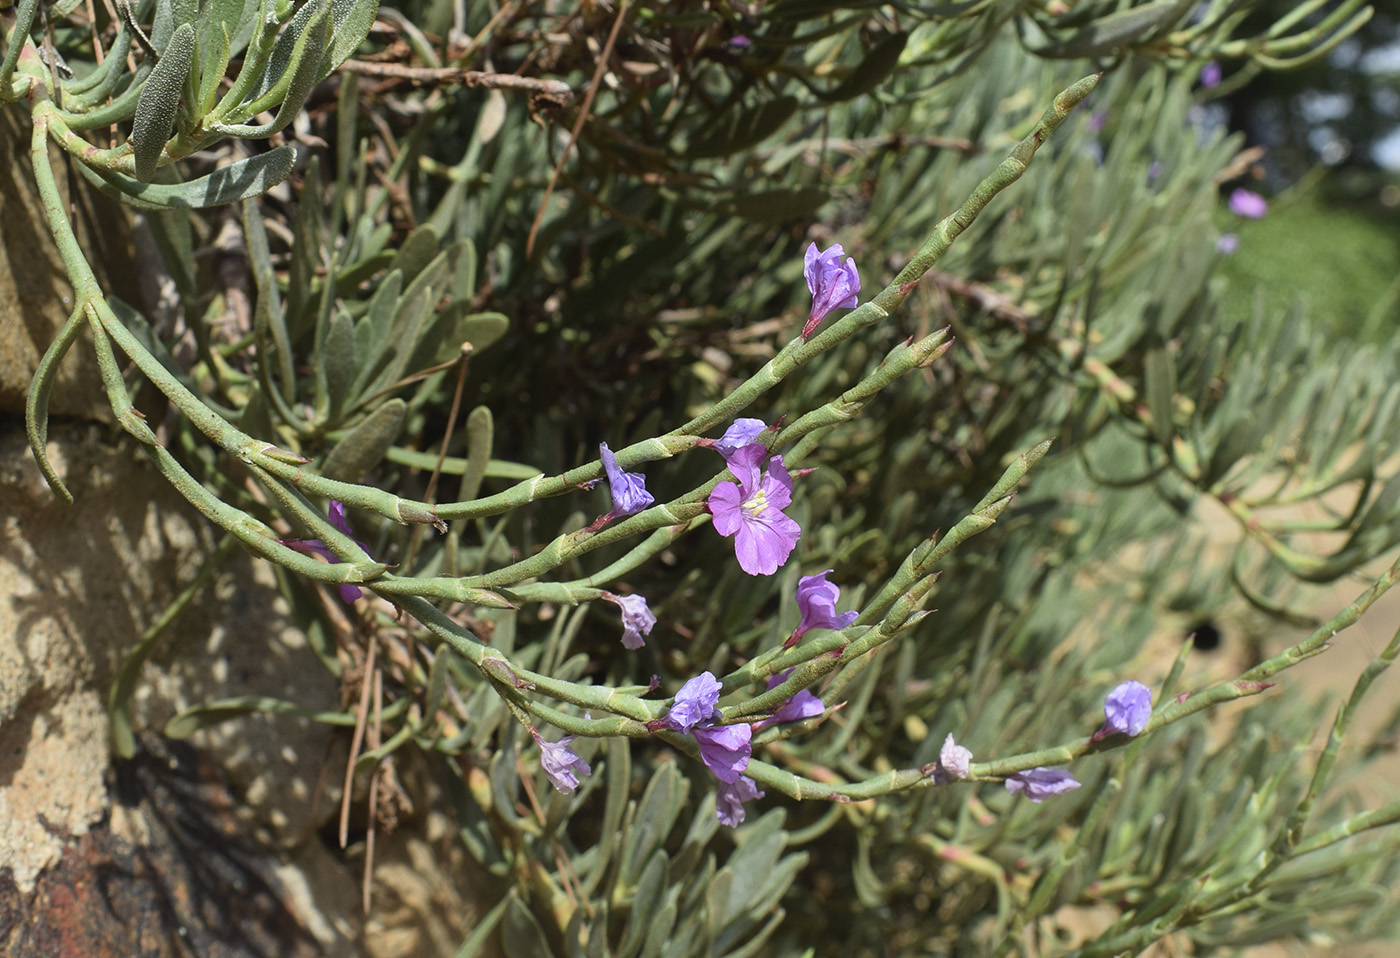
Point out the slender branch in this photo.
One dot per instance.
(557, 91)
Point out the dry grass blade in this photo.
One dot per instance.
(361, 721)
(375, 739)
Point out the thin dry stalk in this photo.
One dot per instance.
(583, 112)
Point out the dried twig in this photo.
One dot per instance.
(986, 298)
(556, 91)
(361, 720)
(578, 124)
(376, 738)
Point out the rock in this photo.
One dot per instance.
(78, 586)
(36, 297)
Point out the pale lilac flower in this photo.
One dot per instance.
(1250, 205)
(730, 799)
(740, 41)
(1097, 119)
(1040, 783)
(1227, 244)
(954, 762)
(725, 749)
(741, 432)
(637, 619)
(694, 703)
(336, 513)
(629, 489)
(1127, 708)
(560, 763)
(803, 705)
(833, 284)
(817, 598)
(1211, 74)
(752, 511)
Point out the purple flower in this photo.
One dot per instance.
(725, 749)
(1211, 74)
(1250, 205)
(1097, 119)
(833, 284)
(629, 489)
(752, 511)
(637, 619)
(741, 432)
(954, 763)
(1127, 708)
(741, 41)
(1227, 244)
(336, 513)
(803, 705)
(817, 597)
(560, 763)
(730, 799)
(1040, 783)
(694, 703)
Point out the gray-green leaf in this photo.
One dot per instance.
(338, 362)
(363, 449)
(875, 69)
(159, 101)
(742, 128)
(237, 181)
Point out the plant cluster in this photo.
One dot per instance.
(1028, 375)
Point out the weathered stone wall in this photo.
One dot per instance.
(78, 585)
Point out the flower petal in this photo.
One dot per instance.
(810, 269)
(311, 547)
(1040, 783)
(730, 799)
(742, 432)
(336, 513)
(694, 703)
(1248, 204)
(817, 599)
(954, 761)
(1128, 708)
(763, 544)
(560, 764)
(725, 503)
(832, 283)
(744, 463)
(803, 705)
(725, 749)
(629, 489)
(777, 484)
(637, 619)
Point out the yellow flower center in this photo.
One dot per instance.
(756, 504)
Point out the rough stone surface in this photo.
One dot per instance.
(78, 585)
(168, 873)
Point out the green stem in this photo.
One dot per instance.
(36, 406)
